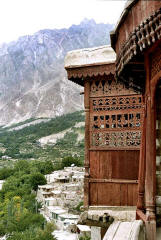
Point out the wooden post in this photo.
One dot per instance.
(87, 141)
(141, 178)
(150, 177)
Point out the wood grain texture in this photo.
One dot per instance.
(114, 164)
(113, 194)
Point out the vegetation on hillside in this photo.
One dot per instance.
(24, 168)
(24, 143)
(19, 210)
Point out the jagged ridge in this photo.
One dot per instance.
(33, 81)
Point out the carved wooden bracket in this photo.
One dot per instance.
(140, 39)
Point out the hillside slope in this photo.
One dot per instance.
(26, 140)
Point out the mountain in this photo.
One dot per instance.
(33, 81)
(43, 139)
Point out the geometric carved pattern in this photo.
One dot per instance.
(116, 103)
(111, 122)
(90, 71)
(109, 87)
(115, 121)
(119, 139)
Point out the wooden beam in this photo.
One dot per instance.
(142, 164)
(87, 141)
(137, 70)
(150, 176)
(141, 215)
(114, 148)
(136, 63)
(93, 180)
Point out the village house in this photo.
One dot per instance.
(67, 219)
(52, 212)
(122, 125)
(44, 191)
(62, 194)
(51, 201)
(65, 235)
(83, 230)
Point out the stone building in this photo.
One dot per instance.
(61, 196)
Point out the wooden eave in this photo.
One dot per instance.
(78, 74)
(140, 40)
(114, 33)
(144, 35)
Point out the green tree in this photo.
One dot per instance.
(37, 179)
(2, 229)
(85, 238)
(5, 173)
(68, 161)
(78, 207)
(46, 234)
(1, 154)
(22, 165)
(45, 167)
(34, 233)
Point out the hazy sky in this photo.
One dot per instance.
(23, 17)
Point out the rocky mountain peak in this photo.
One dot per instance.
(33, 81)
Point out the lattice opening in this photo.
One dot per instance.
(115, 121)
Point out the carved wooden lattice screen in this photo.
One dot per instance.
(116, 115)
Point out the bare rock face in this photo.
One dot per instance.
(33, 81)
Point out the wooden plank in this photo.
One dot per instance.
(113, 194)
(116, 194)
(122, 111)
(124, 194)
(114, 164)
(132, 194)
(104, 194)
(94, 164)
(95, 148)
(105, 166)
(125, 95)
(93, 189)
(125, 164)
(100, 180)
(108, 194)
